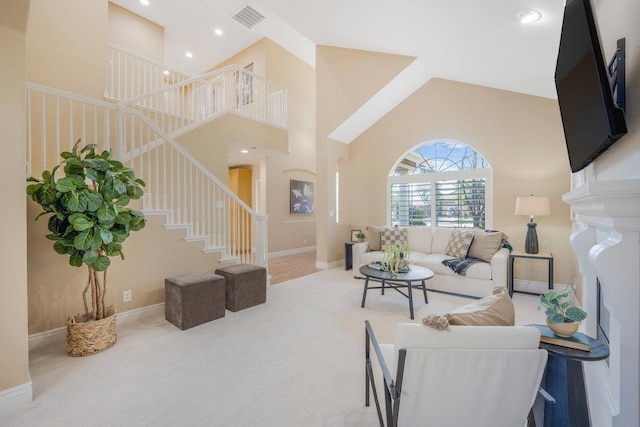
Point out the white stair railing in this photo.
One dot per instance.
(183, 106)
(178, 186)
(130, 74)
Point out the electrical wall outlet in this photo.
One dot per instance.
(126, 296)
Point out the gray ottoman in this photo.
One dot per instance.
(246, 285)
(193, 299)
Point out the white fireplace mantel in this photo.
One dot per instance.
(607, 245)
(607, 204)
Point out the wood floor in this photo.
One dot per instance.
(290, 267)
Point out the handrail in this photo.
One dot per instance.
(73, 96)
(120, 107)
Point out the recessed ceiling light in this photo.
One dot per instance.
(218, 31)
(529, 16)
(189, 55)
(244, 151)
(166, 72)
(145, 2)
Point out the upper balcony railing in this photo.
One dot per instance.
(130, 75)
(177, 102)
(185, 105)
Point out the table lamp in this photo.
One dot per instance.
(532, 206)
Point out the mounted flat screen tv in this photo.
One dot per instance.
(592, 121)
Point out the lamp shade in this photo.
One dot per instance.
(533, 206)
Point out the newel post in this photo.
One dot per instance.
(262, 241)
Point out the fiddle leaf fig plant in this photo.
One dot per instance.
(559, 309)
(89, 219)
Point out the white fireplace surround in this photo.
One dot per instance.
(606, 242)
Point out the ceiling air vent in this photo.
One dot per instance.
(249, 17)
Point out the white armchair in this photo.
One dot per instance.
(466, 376)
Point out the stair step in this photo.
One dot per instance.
(156, 211)
(201, 238)
(177, 226)
(229, 260)
(213, 249)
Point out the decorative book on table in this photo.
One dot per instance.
(376, 265)
(578, 341)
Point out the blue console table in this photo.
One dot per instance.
(564, 380)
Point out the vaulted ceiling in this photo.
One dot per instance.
(471, 41)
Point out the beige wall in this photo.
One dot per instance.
(520, 136)
(64, 51)
(70, 54)
(254, 54)
(14, 356)
(135, 33)
(151, 255)
(209, 143)
(290, 231)
(297, 160)
(345, 80)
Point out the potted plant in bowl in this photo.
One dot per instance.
(563, 317)
(360, 236)
(89, 221)
(396, 258)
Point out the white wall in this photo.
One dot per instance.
(621, 162)
(617, 20)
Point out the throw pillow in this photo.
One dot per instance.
(393, 236)
(485, 244)
(373, 237)
(494, 310)
(459, 243)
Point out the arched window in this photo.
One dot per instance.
(442, 183)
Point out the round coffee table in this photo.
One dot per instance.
(397, 282)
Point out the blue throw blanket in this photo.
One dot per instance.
(460, 265)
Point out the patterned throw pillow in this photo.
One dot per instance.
(459, 243)
(393, 236)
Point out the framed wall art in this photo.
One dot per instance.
(301, 197)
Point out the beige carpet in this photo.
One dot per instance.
(295, 361)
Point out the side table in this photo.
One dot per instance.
(564, 380)
(348, 255)
(519, 254)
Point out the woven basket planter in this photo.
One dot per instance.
(87, 338)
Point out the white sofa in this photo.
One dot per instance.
(428, 247)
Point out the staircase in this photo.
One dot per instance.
(149, 106)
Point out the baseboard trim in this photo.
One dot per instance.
(288, 252)
(16, 397)
(329, 265)
(58, 334)
(537, 287)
